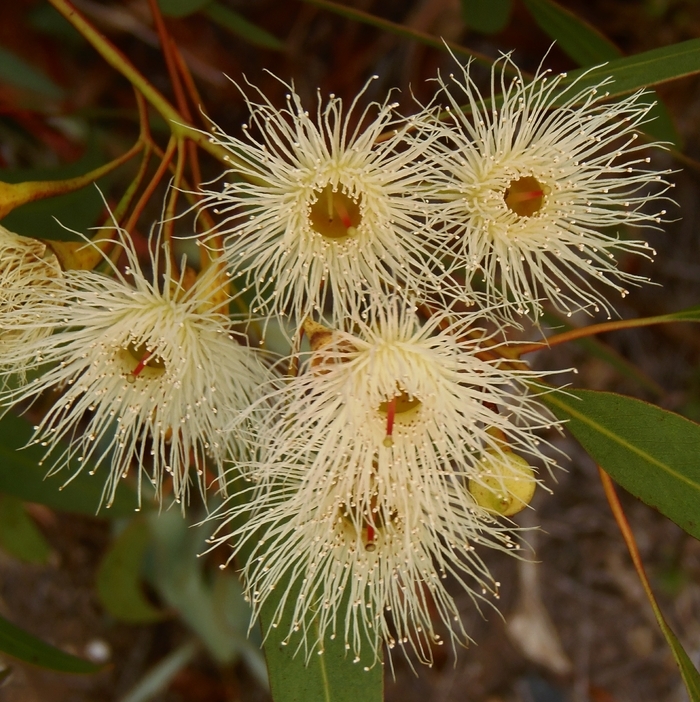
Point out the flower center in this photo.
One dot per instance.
(142, 361)
(524, 196)
(335, 215)
(367, 522)
(401, 408)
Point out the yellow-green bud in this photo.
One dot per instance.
(506, 484)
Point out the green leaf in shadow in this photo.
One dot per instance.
(641, 70)
(119, 577)
(19, 535)
(22, 476)
(585, 45)
(241, 27)
(18, 643)
(16, 71)
(51, 218)
(486, 16)
(181, 8)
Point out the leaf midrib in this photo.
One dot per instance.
(622, 442)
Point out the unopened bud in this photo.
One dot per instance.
(506, 485)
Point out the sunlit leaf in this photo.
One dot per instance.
(19, 535)
(22, 476)
(18, 643)
(486, 16)
(119, 577)
(651, 452)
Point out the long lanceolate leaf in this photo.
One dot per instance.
(588, 47)
(22, 475)
(690, 675)
(642, 70)
(18, 643)
(651, 452)
(330, 676)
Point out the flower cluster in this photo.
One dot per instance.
(401, 251)
(403, 439)
(364, 485)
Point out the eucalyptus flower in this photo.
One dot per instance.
(363, 486)
(320, 206)
(145, 371)
(542, 183)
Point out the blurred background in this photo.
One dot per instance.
(128, 591)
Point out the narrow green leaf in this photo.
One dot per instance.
(689, 672)
(241, 27)
(642, 70)
(46, 19)
(595, 347)
(692, 314)
(587, 47)
(216, 610)
(18, 643)
(401, 30)
(22, 476)
(158, 678)
(651, 452)
(119, 577)
(486, 16)
(19, 536)
(16, 71)
(581, 41)
(331, 676)
(181, 8)
(687, 669)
